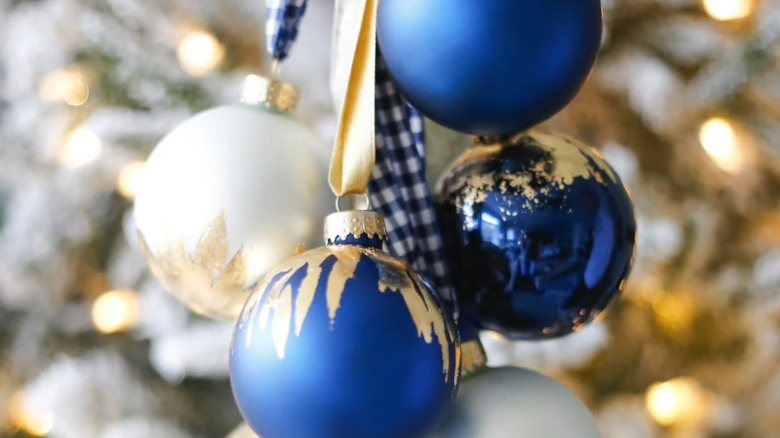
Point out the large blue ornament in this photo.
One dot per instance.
(489, 67)
(344, 341)
(541, 234)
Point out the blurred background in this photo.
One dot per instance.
(684, 102)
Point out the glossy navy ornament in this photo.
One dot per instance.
(488, 67)
(540, 232)
(344, 341)
(512, 403)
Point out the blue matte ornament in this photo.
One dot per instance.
(344, 341)
(540, 231)
(489, 67)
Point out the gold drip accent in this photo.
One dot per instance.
(271, 302)
(425, 312)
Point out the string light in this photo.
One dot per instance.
(200, 53)
(116, 311)
(725, 10)
(130, 178)
(678, 401)
(67, 85)
(719, 140)
(81, 147)
(27, 420)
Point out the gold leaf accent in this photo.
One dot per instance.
(307, 291)
(342, 271)
(280, 327)
(207, 282)
(271, 303)
(211, 251)
(572, 160)
(425, 312)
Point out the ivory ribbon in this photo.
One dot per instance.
(347, 19)
(353, 153)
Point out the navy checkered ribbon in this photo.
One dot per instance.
(283, 19)
(399, 187)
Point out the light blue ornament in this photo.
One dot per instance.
(517, 403)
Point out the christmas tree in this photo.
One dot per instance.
(684, 104)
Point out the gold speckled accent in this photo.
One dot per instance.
(596, 156)
(208, 282)
(572, 160)
(475, 189)
(474, 356)
(271, 302)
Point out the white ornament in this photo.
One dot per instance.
(227, 195)
(517, 403)
(242, 431)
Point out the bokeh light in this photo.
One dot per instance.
(719, 140)
(66, 85)
(81, 147)
(130, 178)
(200, 53)
(116, 311)
(678, 401)
(724, 10)
(26, 419)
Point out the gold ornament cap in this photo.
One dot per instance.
(271, 93)
(355, 227)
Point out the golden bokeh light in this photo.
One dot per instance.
(116, 311)
(675, 313)
(724, 10)
(81, 147)
(719, 139)
(200, 53)
(130, 178)
(676, 402)
(24, 418)
(66, 85)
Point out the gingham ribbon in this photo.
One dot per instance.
(283, 19)
(399, 187)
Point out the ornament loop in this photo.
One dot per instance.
(353, 204)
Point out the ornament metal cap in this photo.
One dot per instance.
(271, 93)
(355, 227)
